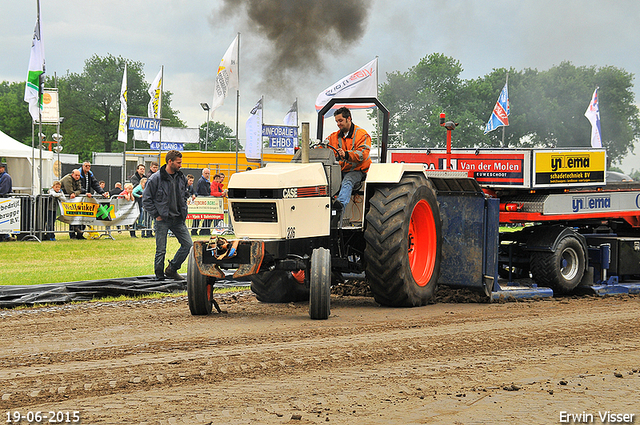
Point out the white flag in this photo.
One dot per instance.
(155, 103)
(253, 131)
(362, 83)
(155, 92)
(32, 93)
(122, 124)
(292, 119)
(227, 76)
(593, 115)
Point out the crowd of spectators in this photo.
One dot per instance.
(82, 182)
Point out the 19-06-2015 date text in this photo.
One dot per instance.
(59, 417)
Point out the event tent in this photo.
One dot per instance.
(20, 159)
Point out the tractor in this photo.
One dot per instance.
(293, 244)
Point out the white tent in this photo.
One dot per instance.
(19, 165)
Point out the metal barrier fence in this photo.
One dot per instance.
(38, 221)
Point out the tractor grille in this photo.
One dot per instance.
(261, 212)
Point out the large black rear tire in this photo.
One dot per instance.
(199, 289)
(562, 270)
(278, 286)
(403, 236)
(320, 284)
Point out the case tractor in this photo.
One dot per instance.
(292, 243)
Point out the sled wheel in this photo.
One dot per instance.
(562, 270)
(320, 284)
(199, 289)
(403, 236)
(278, 286)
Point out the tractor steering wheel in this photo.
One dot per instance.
(326, 145)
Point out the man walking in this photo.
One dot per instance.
(165, 199)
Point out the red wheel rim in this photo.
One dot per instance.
(422, 244)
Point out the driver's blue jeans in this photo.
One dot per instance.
(349, 180)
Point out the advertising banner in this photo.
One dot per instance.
(204, 207)
(9, 215)
(490, 168)
(98, 212)
(50, 106)
(553, 168)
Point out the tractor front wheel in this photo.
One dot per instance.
(199, 289)
(320, 284)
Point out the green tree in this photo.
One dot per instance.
(415, 99)
(220, 137)
(90, 103)
(547, 107)
(14, 112)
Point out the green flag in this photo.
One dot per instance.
(32, 93)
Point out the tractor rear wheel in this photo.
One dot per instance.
(562, 270)
(320, 284)
(403, 236)
(278, 286)
(199, 289)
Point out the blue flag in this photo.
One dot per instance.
(500, 115)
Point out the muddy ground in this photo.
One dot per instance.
(151, 362)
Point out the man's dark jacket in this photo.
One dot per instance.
(92, 183)
(70, 185)
(135, 179)
(157, 194)
(204, 187)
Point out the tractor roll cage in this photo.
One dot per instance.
(350, 100)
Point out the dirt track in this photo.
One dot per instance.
(152, 362)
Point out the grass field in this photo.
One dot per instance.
(68, 260)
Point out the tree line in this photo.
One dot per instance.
(547, 107)
(90, 106)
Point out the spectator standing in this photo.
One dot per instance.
(127, 195)
(137, 175)
(203, 188)
(56, 195)
(6, 184)
(218, 190)
(217, 187)
(165, 199)
(116, 189)
(144, 221)
(190, 187)
(88, 181)
(6, 187)
(153, 168)
(71, 186)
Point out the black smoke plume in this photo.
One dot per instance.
(301, 32)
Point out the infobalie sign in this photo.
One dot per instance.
(280, 136)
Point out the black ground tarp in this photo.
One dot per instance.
(56, 293)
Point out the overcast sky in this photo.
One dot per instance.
(290, 48)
